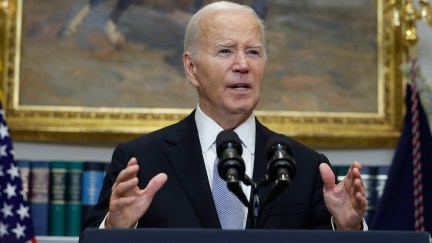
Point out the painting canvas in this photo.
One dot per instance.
(322, 57)
(112, 69)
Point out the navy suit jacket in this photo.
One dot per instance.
(185, 201)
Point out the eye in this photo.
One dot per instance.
(254, 52)
(224, 51)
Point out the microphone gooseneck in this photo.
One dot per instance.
(231, 167)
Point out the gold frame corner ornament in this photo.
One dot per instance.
(317, 129)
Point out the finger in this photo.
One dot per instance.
(132, 161)
(357, 190)
(357, 165)
(327, 176)
(154, 185)
(359, 186)
(352, 174)
(355, 174)
(126, 188)
(121, 203)
(361, 203)
(355, 170)
(129, 172)
(356, 179)
(125, 175)
(354, 191)
(359, 194)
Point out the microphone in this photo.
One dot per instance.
(281, 166)
(231, 166)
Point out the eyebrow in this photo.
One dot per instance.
(233, 43)
(226, 44)
(256, 46)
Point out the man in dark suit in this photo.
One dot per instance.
(224, 59)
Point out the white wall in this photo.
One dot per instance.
(49, 151)
(45, 151)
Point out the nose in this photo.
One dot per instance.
(241, 63)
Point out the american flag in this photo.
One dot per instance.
(406, 203)
(15, 220)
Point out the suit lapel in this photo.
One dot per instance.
(187, 161)
(260, 169)
(185, 156)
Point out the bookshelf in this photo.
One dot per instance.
(60, 195)
(56, 239)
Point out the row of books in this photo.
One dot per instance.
(374, 179)
(61, 193)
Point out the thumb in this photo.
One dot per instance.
(155, 184)
(327, 176)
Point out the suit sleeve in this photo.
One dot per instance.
(320, 216)
(119, 161)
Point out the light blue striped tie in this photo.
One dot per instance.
(229, 208)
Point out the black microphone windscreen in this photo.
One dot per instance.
(281, 140)
(228, 138)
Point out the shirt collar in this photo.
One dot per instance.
(209, 129)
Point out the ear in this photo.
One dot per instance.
(190, 68)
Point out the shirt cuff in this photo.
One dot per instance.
(102, 225)
(364, 225)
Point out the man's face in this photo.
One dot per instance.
(230, 66)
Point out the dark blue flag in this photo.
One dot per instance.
(406, 203)
(15, 220)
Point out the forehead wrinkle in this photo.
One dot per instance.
(217, 28)
(226, 38)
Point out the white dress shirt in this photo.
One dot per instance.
(208, 131)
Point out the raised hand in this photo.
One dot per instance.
(128, 202)
(346, 201)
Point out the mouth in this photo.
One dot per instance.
(240, 87)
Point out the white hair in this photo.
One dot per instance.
(191, 39)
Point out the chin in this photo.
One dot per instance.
(244, 109)
(242, 106)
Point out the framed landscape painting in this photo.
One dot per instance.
(108, 71)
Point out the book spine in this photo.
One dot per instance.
(24, 170)
(73, 198)
(93, 174)
(57, 198)
(381, 179)
(39, 196)
(368, 174)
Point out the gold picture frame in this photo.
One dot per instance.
(324, 129)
